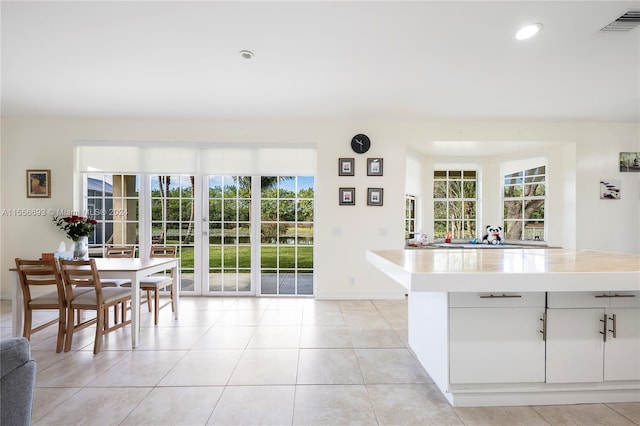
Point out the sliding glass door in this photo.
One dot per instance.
(235, 234)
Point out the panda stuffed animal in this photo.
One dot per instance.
(493, 235)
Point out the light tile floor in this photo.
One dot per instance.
(290, 361)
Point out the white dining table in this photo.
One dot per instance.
(132, 269)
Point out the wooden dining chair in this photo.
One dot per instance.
(37, 276)
(84, 273)
(122, 252)
(155, 283)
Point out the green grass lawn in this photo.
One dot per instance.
(243, 257)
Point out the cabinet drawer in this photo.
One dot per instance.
(497, 299)
(594, 299)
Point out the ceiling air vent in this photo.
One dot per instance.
(626, 22)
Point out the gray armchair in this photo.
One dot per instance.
(17, 381)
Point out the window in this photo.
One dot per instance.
(454, 203)
(410, 217)
(112, 200)
(524, 196)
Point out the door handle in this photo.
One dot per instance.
(604, 327)
(544, 327)
(613, 325)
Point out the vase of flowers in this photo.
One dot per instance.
(81, 248)
(77, 228)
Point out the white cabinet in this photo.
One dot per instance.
(496, 338)
(622, 348)
(593, 337)
(574, 345)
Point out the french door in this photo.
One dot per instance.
(227, 241)
(235, 235)
(258, 236)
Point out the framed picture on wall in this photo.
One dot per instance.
(610, 189)
(630, 161)
(345, 167)
(374, 196)
(374, 166)
(347, 196)
(38, 183)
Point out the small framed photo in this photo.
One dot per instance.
(374, 196)
(347, 196)
(610, 189)
(38, 183)
(630, 161)
(374, 166)
(345, 167)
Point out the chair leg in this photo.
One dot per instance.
(171, 296)
(149, 300)
(62, 323)
(105, 324)
(115, 314)
(99, 329)
(26, 329)
(70, 324)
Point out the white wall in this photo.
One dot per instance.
(343, 234)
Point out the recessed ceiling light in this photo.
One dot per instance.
(246, 54)
(528, 31)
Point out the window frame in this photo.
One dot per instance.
(522, 178)
(461, 175)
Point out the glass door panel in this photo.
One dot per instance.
(229, 235)
(286, 229)
(113, 201)
(172, 222)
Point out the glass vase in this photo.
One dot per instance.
(81, 248)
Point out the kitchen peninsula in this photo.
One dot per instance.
(523, 326)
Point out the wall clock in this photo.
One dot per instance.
(360, 144)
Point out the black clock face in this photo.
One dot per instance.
(360, 144)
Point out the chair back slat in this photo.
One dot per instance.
(39, 273)
(80, 273)
(121, 251)
(163, 251)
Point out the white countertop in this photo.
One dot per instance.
(472, 270)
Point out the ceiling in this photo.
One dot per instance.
(324, 60)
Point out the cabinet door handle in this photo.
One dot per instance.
(544, 327)
(604, 327)
(615, 295)
(613, 325)
(500, 296)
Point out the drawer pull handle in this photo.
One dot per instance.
(615, 295)
(500, 296)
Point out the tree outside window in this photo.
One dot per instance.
(524, 196)
(455, 203)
